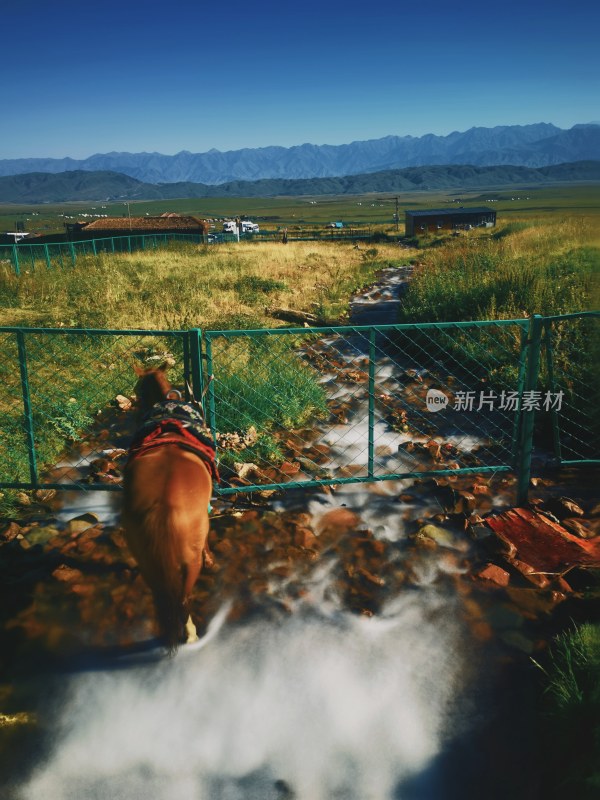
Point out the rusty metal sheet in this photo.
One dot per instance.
(542, 544)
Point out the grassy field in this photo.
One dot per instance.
(190, 286)
(270, 212)
(376, 210)
(525, 266)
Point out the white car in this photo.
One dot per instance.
(230, 226)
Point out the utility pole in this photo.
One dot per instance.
(396, 216)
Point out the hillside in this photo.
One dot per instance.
(41, 187)
(536, 145)
(44, 187)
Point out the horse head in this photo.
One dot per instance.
(153, 386)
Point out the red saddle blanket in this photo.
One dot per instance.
(172, 431)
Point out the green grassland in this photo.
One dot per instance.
(543, 265)
(371, 209)
(186, 285)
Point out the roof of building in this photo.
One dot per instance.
(170, 222)
(436, 212)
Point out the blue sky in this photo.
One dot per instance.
(80, 78)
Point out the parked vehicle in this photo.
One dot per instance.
(230, 226)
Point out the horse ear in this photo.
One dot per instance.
(164, 366)
(139, 371)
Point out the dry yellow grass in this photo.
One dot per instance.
(195, 286)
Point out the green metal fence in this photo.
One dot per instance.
(57, 398)
(569, 369)
(300, 407)
(28, 256)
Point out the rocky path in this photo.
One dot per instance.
(380, 304)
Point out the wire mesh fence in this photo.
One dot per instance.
(308, 406)
(58, 415)
(569, 374)
(28, 256)
(373, 403)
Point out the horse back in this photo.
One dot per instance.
(165, 513)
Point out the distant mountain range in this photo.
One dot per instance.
(537, 145)
(43, 187)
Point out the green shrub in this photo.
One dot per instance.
(571, 714)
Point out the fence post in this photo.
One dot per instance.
(212, 415)
(520, 387)
(16, 259)
(47, 255)
(528, 416)
(27, 410)
(552, 388)
(194, 348)
(371, 455)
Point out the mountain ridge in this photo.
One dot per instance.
(79, 185)
(536, 145)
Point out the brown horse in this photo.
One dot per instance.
(168, 485)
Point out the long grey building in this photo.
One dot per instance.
(437, 219)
